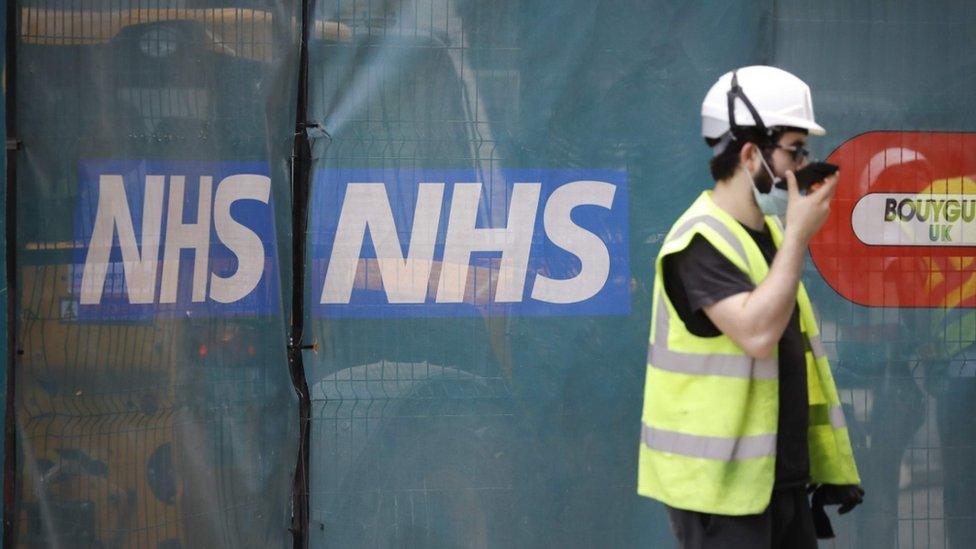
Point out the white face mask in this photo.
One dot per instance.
(775, 201)
(772, 203)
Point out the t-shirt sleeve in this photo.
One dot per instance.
(706, 275)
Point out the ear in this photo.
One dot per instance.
(746, 154)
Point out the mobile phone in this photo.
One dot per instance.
(812, 173)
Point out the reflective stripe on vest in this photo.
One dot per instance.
(821, 414)
(723, 448)
(742, 366)
(816, 346)
(718, 227)
(837, 420)
(708, 447)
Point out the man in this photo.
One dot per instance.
(741, 413)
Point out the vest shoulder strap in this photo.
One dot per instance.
(704, 218)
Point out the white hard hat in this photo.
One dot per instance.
(780, 99)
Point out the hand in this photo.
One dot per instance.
(806, 214)
(848, 496)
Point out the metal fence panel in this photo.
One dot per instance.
(903, 358)
(164, 418)
(485, 423)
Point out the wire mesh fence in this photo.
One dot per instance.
(136, 429)
(177, 426)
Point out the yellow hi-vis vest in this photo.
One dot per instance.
(708, 428)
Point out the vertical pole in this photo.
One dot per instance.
(301, 177)
(10, 255)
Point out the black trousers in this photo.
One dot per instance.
(786, 523)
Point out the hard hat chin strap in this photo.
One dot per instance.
(723, 143)
(735, 130)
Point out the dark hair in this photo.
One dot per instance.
(724, 165)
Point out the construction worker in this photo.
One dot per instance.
(741, 416)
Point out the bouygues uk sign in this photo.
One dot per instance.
(902, 227)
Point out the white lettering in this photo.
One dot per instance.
(179, 235)
(514, 242)
(240, 240)
(139, 265)
(589, 248)
(367, 205)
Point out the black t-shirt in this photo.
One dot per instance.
(699, 276)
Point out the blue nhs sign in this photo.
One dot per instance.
(174, 239)
(411, 242)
